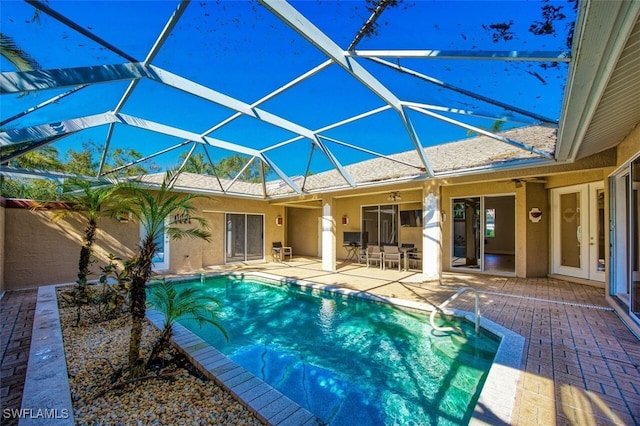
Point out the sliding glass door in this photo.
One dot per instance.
(380, 224)
(484, 233)
(624, 196)
(244, 237)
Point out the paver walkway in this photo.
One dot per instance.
(16, 310)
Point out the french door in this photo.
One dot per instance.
(244, 237)
(578, 231)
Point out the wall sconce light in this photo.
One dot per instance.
(394, 196)
(279, 220)
(518, 183)
(345, 220)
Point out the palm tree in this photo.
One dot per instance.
(92, 202)
(151, 209)
(188, 303)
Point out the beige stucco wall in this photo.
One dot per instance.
(629, 147)
(302, 230)
(39, 251)
(537, 233)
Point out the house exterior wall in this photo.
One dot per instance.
(537, 233)
(629, 147)
(213, 209)
(39, 251)
(302, 230)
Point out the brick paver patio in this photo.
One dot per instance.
(16, 310)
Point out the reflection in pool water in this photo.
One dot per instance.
(348, 360)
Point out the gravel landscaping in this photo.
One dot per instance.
(176, 394)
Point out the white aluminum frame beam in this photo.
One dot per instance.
(464, 91)
(509, 141)
(288, 14)
(485, 55)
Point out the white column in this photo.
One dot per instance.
(328, 237)
(431, 238)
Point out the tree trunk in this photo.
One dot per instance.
(141, 272)
(85, 253)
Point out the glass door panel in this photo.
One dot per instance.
(570, 230)
(635, 238)
(161, 259)
(245, 237)
(466, 233)
(255, 246)
(389, 224)
(596, 233)
(235, 237)
(370, 225)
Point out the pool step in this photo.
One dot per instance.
(468, 350)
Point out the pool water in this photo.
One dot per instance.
(347, 360)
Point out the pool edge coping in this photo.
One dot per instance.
(496, 401)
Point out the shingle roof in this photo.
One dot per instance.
(460, 156)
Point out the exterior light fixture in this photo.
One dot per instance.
(345, 219)
(279, 220)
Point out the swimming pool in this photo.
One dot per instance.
(348, 360)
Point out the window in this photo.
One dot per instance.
(490, 223)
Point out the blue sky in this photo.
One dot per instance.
(240, 49)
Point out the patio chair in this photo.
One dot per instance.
(415, 260)
(280, 252)
(374, 255)
(391, 255)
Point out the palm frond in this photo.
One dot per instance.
(187, 303)
(14, 54)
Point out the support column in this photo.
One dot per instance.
(328, 236)
(431, 235)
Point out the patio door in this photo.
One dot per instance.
(484, 233)
(577, 231)
(244, 237)
(624, 276)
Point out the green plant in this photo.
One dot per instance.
(152, 208)
(187, 303)
(115, 285)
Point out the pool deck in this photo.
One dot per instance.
(581, 364)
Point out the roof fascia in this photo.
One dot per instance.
(604, 26)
